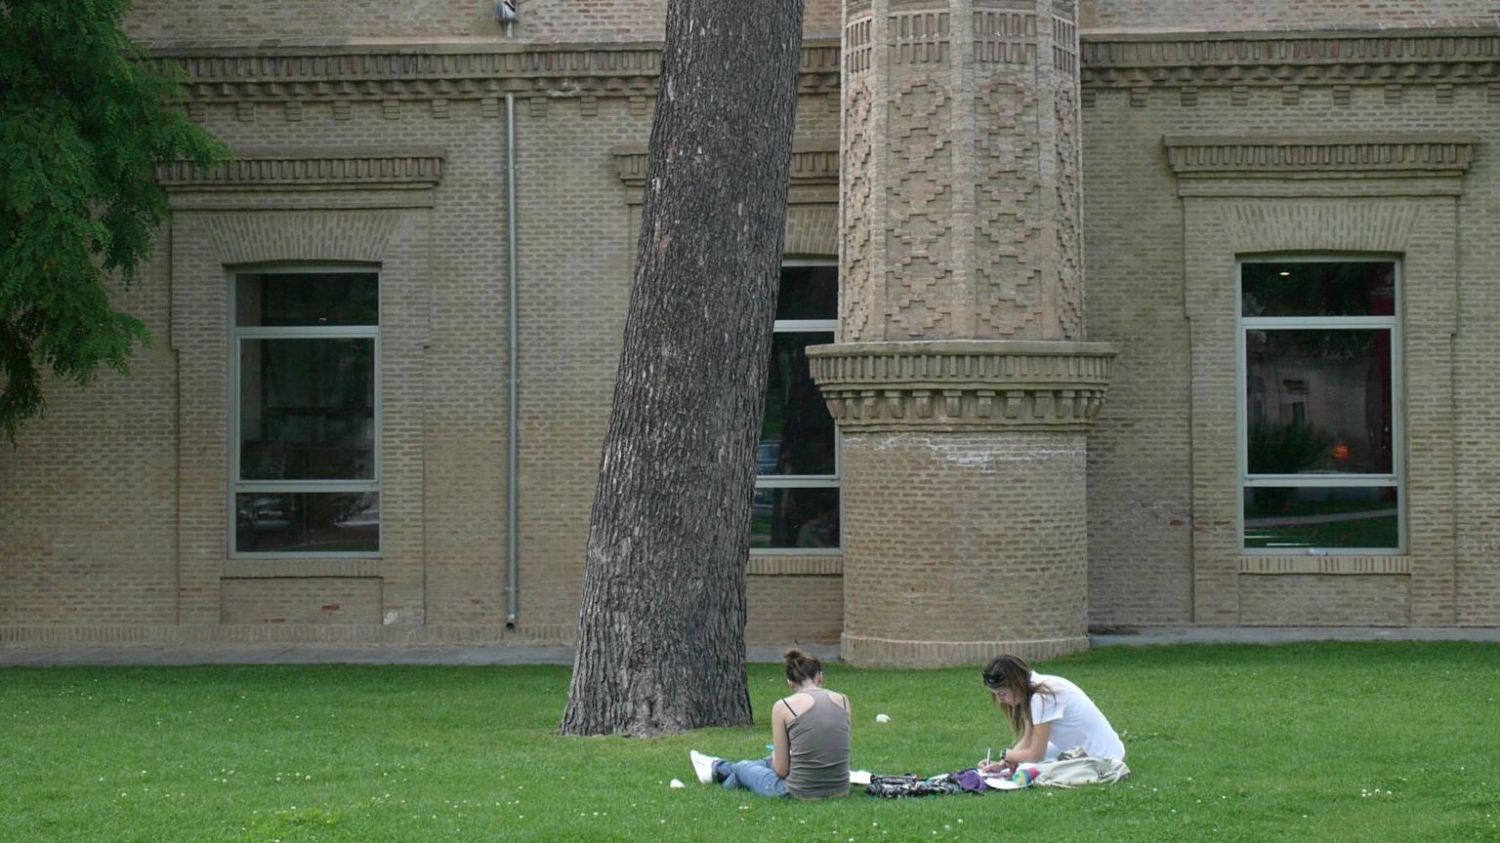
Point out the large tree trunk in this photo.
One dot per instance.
(661, 633)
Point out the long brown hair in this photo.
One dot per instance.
(1014, 672)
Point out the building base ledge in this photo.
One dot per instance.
(209, 634)
(189, 653)
(1145, 636)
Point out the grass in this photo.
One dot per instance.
(1388, 741)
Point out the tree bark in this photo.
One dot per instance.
(661, 633)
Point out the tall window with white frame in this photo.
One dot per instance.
(1321, 451)
(306, 418)
(796, 506)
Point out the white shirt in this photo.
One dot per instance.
(1075, 720)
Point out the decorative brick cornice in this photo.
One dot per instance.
(1282, 59)
(1329, 565)
(813, 164)
(304, 170)
(1409, 155)
(963, 384)
(343, 72)
(238, 72)
(773, 565)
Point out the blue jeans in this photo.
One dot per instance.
(754, 775)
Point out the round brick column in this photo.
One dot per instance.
(961, 380)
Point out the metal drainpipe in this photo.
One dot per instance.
(512, 489)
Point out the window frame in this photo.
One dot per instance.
(1396, 478)
(237, 334)
(808, 481)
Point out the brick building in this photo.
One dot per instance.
(1208, 342)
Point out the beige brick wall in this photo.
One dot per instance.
(283, 231)
(354, 600)
(568, 352)
(1476, 353)
(576, 21)
(179, 20)
(1162, 473)
(1139, 492)
(1197, 15)
(111, 547)
(88, 495)
(112, 509)
(1310, 600)
(783, 609)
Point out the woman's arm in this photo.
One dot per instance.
(781, 752)
(1031, 747)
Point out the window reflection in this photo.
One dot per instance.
(797, 496)
(307, 409)
(307, 346)
(795, 518)
(324, 299)
(1332, 517)
(1319, 288)
(797, 434)
(808, 292)
(302, 522)
(1318, 401)
(1320, 405)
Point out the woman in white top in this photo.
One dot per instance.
(1048, 714)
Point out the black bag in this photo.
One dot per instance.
(900, 787)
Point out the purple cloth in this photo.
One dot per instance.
(970, 781)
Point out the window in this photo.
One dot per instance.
(306, 413)
(797, 487)
(1321, 454)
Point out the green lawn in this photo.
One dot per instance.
(1391, 741)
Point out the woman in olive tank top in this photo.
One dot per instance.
(809, 738)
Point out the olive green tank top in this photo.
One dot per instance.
(819, 743)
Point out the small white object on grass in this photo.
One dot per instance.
(676, 784)
(882, 718)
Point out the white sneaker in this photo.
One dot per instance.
(703, 765)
